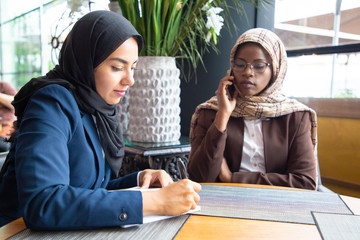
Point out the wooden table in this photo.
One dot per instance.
(206, 227)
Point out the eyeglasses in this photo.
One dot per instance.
(257, 67)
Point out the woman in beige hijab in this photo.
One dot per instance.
(254, 134)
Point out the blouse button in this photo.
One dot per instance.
(123, 216)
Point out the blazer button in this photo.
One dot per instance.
(123, 217)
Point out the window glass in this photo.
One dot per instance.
(31, 35)
(55, 27)
(11, 8)
(312, 24)
(20, 48)
(311, 76)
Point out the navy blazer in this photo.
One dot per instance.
(57, 176)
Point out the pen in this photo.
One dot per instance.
(182, 169)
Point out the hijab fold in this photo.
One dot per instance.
(92, 39)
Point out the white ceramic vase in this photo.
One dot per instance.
(154, 103)
(123, 112)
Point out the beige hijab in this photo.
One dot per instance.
(271, 102)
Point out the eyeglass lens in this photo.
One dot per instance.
(257, 67)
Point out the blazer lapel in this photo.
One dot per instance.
(91, 131)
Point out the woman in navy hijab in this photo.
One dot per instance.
(67, 149)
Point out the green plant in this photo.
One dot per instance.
(346, 93)
(183, 29)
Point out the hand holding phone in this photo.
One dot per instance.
(231, 88)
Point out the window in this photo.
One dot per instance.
(26, 32)
(322, 39)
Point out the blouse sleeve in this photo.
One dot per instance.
(207, 149)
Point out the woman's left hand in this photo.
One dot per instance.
(225, 174)
(154, 178)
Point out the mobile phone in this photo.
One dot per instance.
(231, 88)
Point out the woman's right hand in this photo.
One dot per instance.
(226, 105)
(174, 199)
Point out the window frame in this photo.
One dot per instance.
(345, 48)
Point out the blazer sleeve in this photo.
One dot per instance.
(46, 194)
(290, 158)
(207, 149)
(127, 181)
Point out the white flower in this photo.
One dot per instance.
(75, 5)
(178, 5)
(214, 20)
(207, 6)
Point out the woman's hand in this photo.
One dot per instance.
(154, 178)
(225, 173)
(174, 199)
(226, 105)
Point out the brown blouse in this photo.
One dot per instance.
(288, 151)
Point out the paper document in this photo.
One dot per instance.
(154, 218)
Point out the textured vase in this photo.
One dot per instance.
(123, 109)
(154, 103)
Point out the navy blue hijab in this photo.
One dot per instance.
(92, 39)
